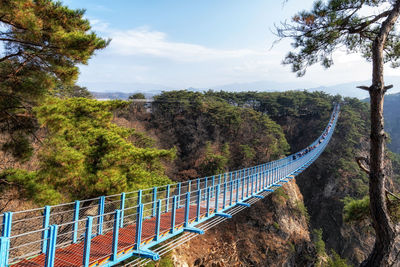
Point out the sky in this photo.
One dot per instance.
(180, 44)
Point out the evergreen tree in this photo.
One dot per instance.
(42, 43)
(67, 91)
(137, 96)
(85, 155)
(367, 27)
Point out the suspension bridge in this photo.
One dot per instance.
(107, 230)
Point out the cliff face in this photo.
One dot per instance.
(272, 232)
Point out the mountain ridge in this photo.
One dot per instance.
(349, 89)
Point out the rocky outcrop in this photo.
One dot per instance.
(272, 232)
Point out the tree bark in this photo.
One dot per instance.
(384, 228)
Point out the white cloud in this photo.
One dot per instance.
(99, 25)
(149, 56)
(141, 41)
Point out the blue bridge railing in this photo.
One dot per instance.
(106, 230)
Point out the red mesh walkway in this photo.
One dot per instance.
(101, 246)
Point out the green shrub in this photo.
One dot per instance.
(318, 242)
(355, 210)
(336, 261)
(302, 210)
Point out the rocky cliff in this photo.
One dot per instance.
(272, 232)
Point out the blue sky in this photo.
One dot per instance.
(181, 44)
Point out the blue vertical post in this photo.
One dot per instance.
(7, 221)
(212, 184)
(139, 197)
(265, 182)
(280, 172)
(205, 187)
(4, 250)
(248, 185)
(51, 246)
(237, 190)
(187, 209)
(154, 201)
(45, 233)
(167, 199)
(273, 176)
(198, 205)
(230, 192)
(173, 215)
(242, 188)
(208, 201)
(269, 177)
(100, 218)
(262, 182)
(5, 239)
(252, 185)
(122, 209)
(256, 182)
(179, 194)
(117, 222)
(219, 179)
(198, 183)
(224, 196)
(139, 224)
(76, 223)
(189, 185)
(158, 220)
(217, 191)
(88, 241)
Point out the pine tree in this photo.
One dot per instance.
(43, 41)
(367, 27)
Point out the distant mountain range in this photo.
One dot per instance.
(124, 90)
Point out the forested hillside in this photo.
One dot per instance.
(333, 181)
(335, 178)
(113, 146)
(211, 135)
(81, 154)
(392, 120)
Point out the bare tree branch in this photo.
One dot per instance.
(361, 165)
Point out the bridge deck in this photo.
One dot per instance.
(101, 245)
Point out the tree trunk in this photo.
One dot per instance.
(384, 229)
